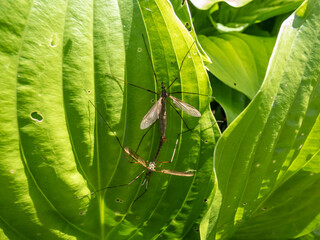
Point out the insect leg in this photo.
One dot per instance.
(121, 185)
(143, 137)
(154, 72)
(179, 115)
(147, 184)
(131, 84)
(184, 58)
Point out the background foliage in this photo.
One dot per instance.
(260, 181)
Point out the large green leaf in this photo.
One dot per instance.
(311, 236)
(255, 11)
(267, 161)
(239, 60)
(226, 17)
(54, 56)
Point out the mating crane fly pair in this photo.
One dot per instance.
(157, 111)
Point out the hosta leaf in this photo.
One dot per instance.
(311, 236)
(267, 161)
(54, 58)
(255, 11)
(228, 17)
(239, 60)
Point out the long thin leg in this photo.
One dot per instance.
(181, 65)
(158, 151)
(179, 114)
(154, 72)
(128, 157)
(105, 121)
(131, 84)
(175, 147)
(147, 184)
(143, 137)
(200, 94)
(122, 185)
(132, 181)
(174, 150)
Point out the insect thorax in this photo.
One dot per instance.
(151, 166)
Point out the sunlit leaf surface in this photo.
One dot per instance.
(54, 56)
(267, 161)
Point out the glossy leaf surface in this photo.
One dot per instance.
(267, 161)
(239, 60)
(54, 59)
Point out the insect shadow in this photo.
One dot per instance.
(149, 167)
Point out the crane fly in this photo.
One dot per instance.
(149, 167)
(158, 110)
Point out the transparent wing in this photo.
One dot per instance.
(152, 115)
(187, 108)
(135, 156)
(176, 173)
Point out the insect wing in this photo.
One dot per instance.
(135, 156)
(187, 108)
(176, 173)
(152, 115)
